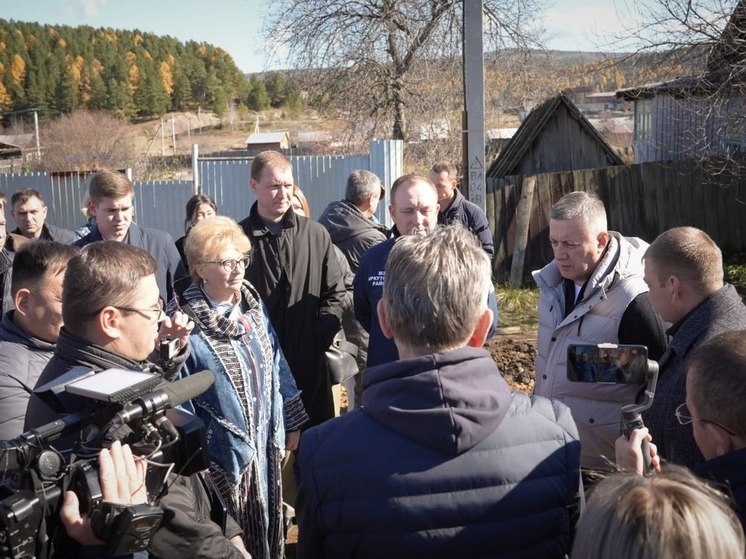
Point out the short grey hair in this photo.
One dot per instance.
(585, 205)
(361, 185)
(436, 287)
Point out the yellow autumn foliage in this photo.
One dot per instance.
(17, 69)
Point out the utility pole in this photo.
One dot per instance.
(473, 121)
(36, 133)
(173, 132)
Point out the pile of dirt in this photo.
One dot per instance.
(515, 354)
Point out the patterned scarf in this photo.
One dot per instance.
(263, 534)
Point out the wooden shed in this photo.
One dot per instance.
(259, 141)
(554, 137)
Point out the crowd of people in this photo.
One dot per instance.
(435, 455)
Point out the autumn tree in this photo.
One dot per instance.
(378, 60)
(60, 68)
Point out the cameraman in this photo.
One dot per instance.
(112, 312)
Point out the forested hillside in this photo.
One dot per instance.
(57, 69)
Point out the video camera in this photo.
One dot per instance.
(135, 407)
(618, 364)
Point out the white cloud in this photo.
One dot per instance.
(91, 8)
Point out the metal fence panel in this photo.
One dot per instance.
(68, 191)
(161, 204)
(227, 182)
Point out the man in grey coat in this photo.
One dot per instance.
(352, 229)
(684, 271)
(591, 292)
(28, 334)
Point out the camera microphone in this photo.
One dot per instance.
(168, 395)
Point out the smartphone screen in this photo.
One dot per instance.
(607, 363)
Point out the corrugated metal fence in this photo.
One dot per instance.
(160, 204)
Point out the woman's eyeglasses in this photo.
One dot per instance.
(230, 264)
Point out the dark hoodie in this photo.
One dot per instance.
(351, 231)
(443, 461)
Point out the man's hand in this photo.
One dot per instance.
(238, 542)
(178, 326)
(122, 481)
(292, 439)
(629, 452)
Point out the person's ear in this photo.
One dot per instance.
(21, 301)
(109, 322)
(675, 287)
(383, 320)
(199, 269)
(392, 211)
(481, 329)
(722, 442)
(44, 212)
(603, 240)
(252, 185)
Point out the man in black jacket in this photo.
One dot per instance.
(294, 268)
(30, 213)
(113, 318)
(454, 208)
(29, 332)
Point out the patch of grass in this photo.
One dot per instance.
(518, 307)
(735, 272)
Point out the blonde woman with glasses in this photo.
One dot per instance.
(253, 412)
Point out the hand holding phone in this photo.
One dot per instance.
(632, 450)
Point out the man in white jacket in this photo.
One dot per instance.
(592, 292)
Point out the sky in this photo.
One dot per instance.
(236, 25)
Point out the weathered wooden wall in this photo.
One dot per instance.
(641, 200)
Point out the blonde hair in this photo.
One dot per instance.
(209, 237)
(667, 516)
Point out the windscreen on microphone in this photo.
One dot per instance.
(190, 387)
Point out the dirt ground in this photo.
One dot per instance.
(515, 352)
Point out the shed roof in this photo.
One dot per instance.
(267, 137)
(531, 130)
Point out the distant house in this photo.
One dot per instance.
(554, 137)
(260, 141)
(435, 129)
(696, 116)
(617, 131)
(15, 149)
(9, 151)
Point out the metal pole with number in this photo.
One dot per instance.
(474, 185)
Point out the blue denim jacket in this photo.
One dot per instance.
(230, 444)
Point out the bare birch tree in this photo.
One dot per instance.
(391, 65)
